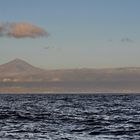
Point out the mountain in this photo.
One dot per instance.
(18, 74)
(18, 66)
(18, 70)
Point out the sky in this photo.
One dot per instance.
(57, 34)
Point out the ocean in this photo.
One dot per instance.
(70, 116)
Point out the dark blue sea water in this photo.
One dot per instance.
(70, 117)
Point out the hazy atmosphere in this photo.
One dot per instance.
(69, 69)
(55, 34)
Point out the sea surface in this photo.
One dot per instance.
(70, 116)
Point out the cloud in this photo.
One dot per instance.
(128, 40)
(49, 47)
(21, 30)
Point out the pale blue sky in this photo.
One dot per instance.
(83, 33)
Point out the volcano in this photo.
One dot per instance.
(19, 70)
(18, 66)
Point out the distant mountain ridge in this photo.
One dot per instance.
(19, 70)
(18, 76)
